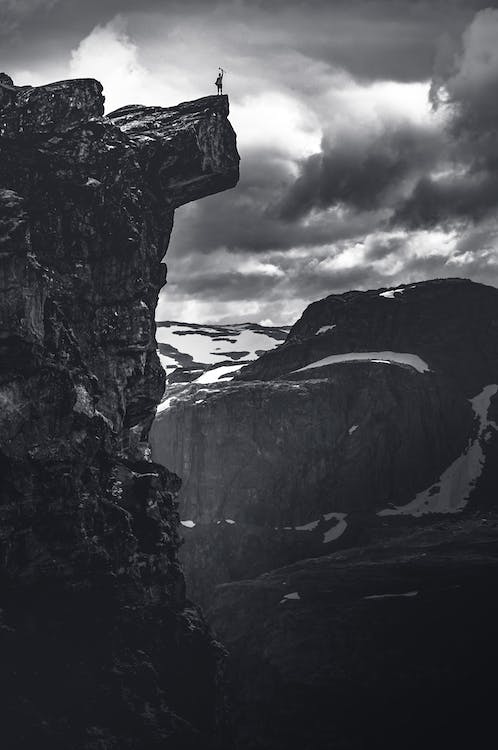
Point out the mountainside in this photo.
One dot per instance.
(342, 488)
(191, 352)
(450, 324)
(98, 645)
(347, 417)
(286, 452)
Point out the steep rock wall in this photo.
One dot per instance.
(99, 647)
(284, 452)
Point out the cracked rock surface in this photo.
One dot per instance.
(99, 646)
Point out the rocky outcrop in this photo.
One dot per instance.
(98, 644)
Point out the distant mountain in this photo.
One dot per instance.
(375, 401)
(192, 352)
(342, 488)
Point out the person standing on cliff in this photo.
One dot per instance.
(219, 81)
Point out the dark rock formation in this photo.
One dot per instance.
(389, 645)
(98, 645)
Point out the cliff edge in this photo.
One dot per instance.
(98, 645)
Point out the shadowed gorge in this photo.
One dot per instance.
(99, 647)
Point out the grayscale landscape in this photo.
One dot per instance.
(248, 499)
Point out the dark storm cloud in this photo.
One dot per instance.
(385, 247)
(377, 178)
(366, 172)
(226, 286)
(303, 281)
(443, 201)
(14, 13)
(426, 177)
(372, 39)
(466, 77)
(481, 241)
(33, 30)
(315, 285)
(436, 266)
(244, 220)
(465, 84)
(388, 39)
(360, 170)
(306, 279)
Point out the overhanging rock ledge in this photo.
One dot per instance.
(99, 647)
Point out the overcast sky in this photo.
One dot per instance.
(368, 134)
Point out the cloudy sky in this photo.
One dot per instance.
(368, 133)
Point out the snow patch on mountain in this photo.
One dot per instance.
(210, 345)
(391, 293)
(452, 492)
(188, 350)
(398, 358)
(289, 597)
(406, 594)
(307, 526)
(218, 373)
(164, 405)
(338, 529)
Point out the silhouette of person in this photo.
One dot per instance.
(219, 81)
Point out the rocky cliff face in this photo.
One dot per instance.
(377, 401)
(99, 647)
(286, 452)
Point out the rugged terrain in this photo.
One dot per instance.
(390, 644)
(342, 490)
(99, 647)
(195, 353)
(376, 401)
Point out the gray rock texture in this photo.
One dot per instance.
(99, 647)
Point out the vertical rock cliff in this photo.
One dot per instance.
(98, 645)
